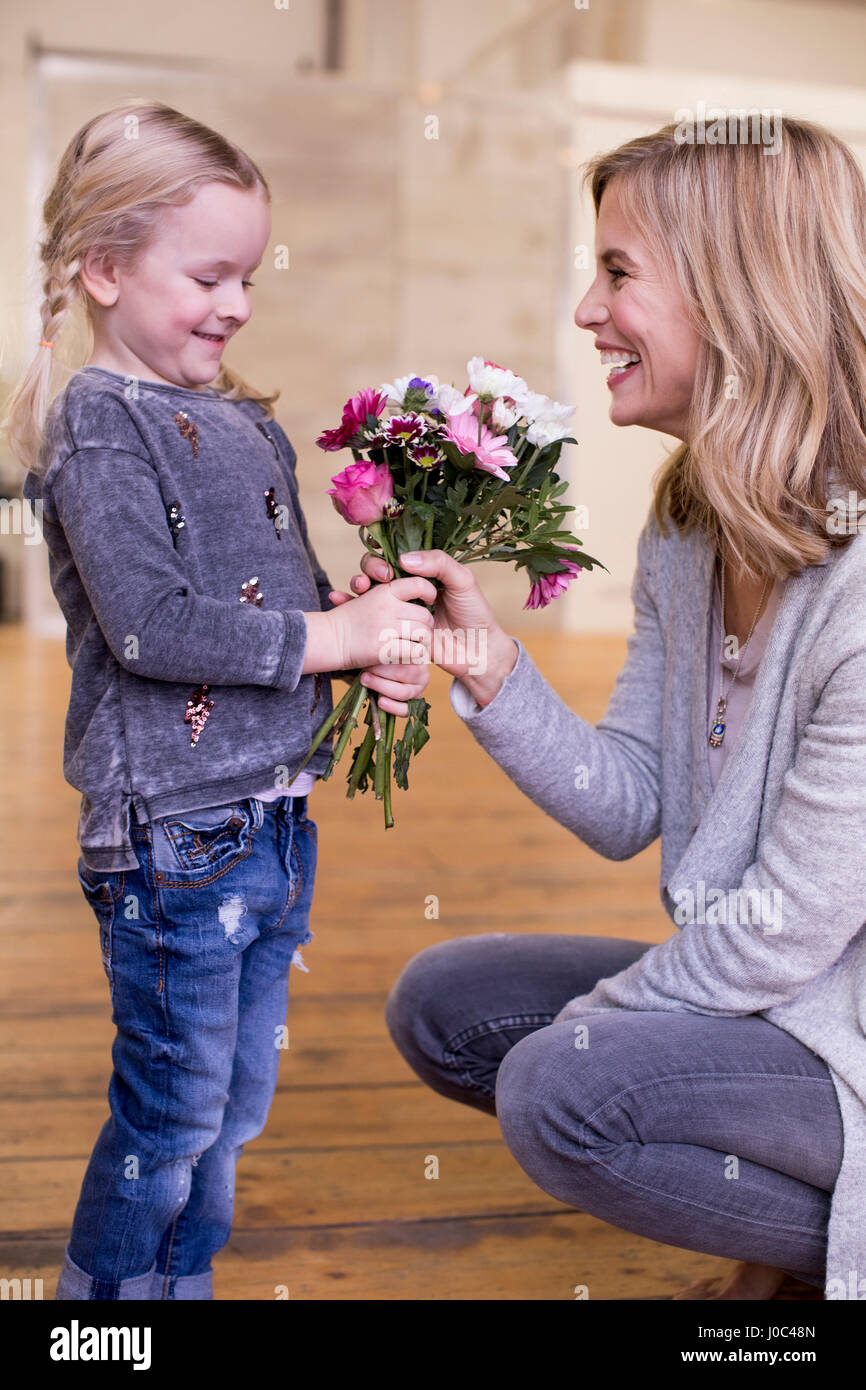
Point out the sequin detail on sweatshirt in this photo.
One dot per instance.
(198, 708)
(175, 520)
(188, 429)
(273, 510)
(250, 591)
(268, 437)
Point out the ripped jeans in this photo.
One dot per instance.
(196, 945)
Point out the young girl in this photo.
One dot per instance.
(201, 630)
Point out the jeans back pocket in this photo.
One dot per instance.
(206, 842)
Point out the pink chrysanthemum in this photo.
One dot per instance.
(332, 440)
(355, 412)
(547, 587)
(491, 451)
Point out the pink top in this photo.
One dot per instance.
(724, 669)
(302, 786)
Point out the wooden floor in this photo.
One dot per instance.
(332, 1201)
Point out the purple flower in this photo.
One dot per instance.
(404, 429)
(426, 456)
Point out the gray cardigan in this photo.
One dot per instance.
(787, 819)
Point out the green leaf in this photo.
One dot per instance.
(443, 528)
(544, 564)
(415, 735)
(423, 510)
(408, 532)
(464, 462)
(549, 560)
(513, 497)
(402, 754)
(455, 496)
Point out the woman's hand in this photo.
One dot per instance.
(467, 640)
(394, 683)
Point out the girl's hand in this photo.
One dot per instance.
(468, 642)
(397, 683)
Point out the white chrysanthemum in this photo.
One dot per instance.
(396, 390)
(492, 382)
(535, 406)
(504, 416)
(546, 419)
(546, 430)
(452, 401)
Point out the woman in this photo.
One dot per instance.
(699, 1092)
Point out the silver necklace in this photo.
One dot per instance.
(717, 730)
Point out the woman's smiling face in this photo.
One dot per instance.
(634, 306)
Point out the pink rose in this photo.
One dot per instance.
(361, 491)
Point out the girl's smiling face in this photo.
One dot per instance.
(634, 306)
(170, 316)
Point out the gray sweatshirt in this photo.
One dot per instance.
(765, 873)
(179, 555)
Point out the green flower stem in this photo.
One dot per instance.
(381, 772)
(499, 552)
(380, 531)
(362, 760)
(361, 693)
(329, 723)
(494, 538)
(390, 722)
(525, 469)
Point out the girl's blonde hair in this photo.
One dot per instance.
(768, 250)
(114, 180)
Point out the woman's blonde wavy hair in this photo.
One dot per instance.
(108, 196)
(770, 253)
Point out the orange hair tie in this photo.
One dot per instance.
(44, 343)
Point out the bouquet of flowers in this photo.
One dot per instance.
(470, 473)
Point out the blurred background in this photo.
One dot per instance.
(424, 167)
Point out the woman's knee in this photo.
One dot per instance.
(547, 1095)
(410, 995)
(422, 1010)
(537, 1099)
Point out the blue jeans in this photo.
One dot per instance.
(196, 944)
(721, 1135)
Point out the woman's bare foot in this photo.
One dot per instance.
(744, 1281)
